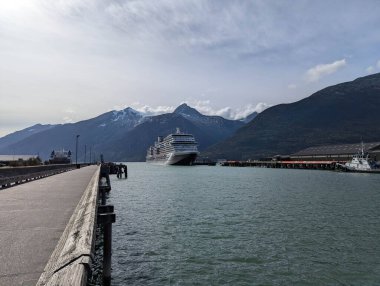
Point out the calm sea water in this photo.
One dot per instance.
(206, 225)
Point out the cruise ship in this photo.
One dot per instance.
(175, 149)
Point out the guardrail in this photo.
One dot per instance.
(18, 175)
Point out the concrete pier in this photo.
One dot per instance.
(35, 216)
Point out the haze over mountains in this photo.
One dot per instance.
(344, 113)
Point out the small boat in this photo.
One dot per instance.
(360, 162)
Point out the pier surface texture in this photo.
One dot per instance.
(40, 224)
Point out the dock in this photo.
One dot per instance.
(316, 165)
(47, 229)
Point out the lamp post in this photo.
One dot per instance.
(76, 151)
(85, 153)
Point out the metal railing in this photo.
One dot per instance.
(17, 175)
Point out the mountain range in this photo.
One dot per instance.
(119, 135)
(344, 113)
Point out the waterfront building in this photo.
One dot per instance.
(342, 152)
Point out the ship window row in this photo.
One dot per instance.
(184, 143)
(181, 138)
(166, 149)
(186, 148)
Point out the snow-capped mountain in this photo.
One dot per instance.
(197, 118)
(190, 113)
(127, 118)
(114, 132)
(93, 133)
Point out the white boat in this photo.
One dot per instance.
(175, 149)
(360, 162)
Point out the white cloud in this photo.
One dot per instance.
(315, 73)
(149, 110)
(231, 113)
(292, 86)
(204, 107)
(69, 110)
(370, 70)
(261, 106)
(68, 119)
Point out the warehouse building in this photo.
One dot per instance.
(343, 152)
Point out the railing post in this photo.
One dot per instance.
(107, 252)
(106, 217)
(102, 190)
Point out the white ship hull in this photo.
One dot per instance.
(359, 163)
(174, 158)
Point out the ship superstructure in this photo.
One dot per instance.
(60, 157)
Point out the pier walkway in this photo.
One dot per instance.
(34, 217)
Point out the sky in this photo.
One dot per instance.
(66, 61)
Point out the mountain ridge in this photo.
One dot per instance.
(342, 113)
(112, 130)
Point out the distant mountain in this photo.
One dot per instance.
(126, 134)
(343, 113)
(207, 130)
(93, 132)
(218, 126)
(22, 134)
(190, 113)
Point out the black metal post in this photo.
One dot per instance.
(76, 151)
(107, 251)
(103, 196)
(106, 217)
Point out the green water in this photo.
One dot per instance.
(207, 225)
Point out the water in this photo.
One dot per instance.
(245, 226)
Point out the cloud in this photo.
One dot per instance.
(67, 119)
(228, 112)
(370, 70)
(69, 110)
(166, 51)
(321, 70)
(292, 86)
(150, 111)
(204, 107)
